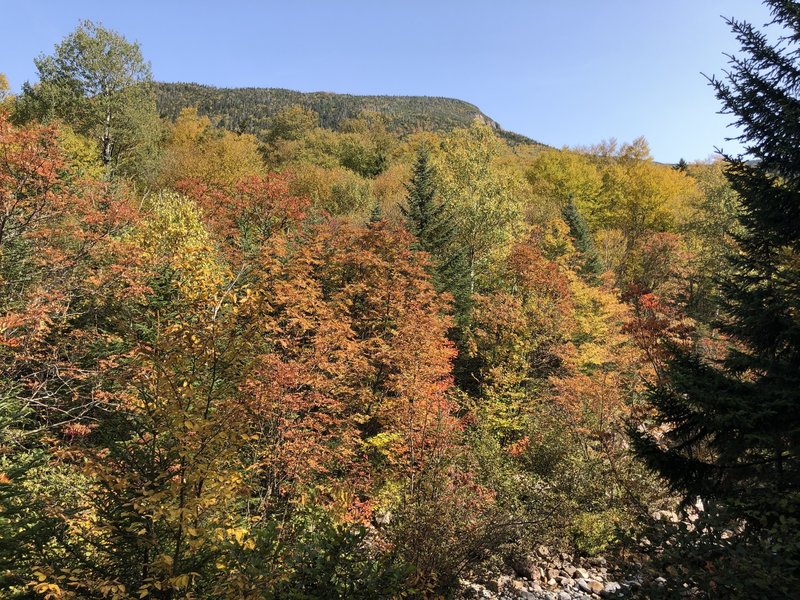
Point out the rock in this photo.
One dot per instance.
(474, 590)
(565, 581)
(597, 561)
(581, 574)
(660, 580)
(666, 515)
(611, 588)
(595, 586)
(383, 517)
(516, 584)
(526, 567)
(543, 551)
(553, 573)
(498, 584)
(590, 586)
(570, 570)
(564, 596)
(551, 582)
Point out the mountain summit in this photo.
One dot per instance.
(249, 109)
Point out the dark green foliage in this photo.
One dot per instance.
(591, 266)
(251, 109)
(333, 561)
(431, 222)
(25, 527)
(734, 437)
(377, 214)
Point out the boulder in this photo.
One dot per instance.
(595, 586)
(498, 584)
(527, 567)
(590, 586)
(611, 588)
(581, 574)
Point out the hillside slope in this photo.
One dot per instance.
(249, 109)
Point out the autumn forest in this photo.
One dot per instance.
(385, 349)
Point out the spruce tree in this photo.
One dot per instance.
(733, 426)
(591, 266)
(376, 215)
(26, 525)
(432, 224)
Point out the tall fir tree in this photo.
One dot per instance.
(733, 426)
(431, 223)
(591, 266)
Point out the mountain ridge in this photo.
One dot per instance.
(248, 109)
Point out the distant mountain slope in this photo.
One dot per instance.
(249, 109)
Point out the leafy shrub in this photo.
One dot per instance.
(330, 560)
(592, 533)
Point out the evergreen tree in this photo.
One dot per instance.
(733, 427)
(591, 266)
(432, 224)
(25, 524)
(376, 215)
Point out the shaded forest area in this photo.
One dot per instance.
(332, 349)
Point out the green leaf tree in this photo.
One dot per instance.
(484, 196)
(99, 83)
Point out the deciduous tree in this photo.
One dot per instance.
(99, 83)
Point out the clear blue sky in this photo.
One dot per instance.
(564, 72)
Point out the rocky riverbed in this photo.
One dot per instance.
(553, 576)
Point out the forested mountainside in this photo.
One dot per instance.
(250, 109)
(364, 362)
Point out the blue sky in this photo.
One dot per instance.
(564, 72)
